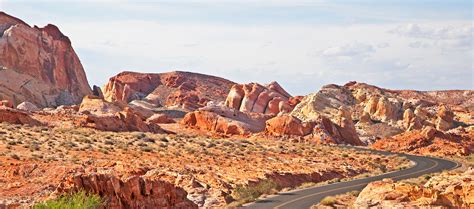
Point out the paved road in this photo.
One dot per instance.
(305, 198)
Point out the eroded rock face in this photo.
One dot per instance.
(329, 111)
(220, 119)
(453, 190)
(6, 103)
(388, 109)
(320, 130)
(174, 89)
(39, 65)
(97, 106)
(325, 103)
(132, 192)
(288, 125)
(10, 115)
(253, 97)
(445, 120)
(411, 121)
(112, 116)
(430, 141)
(159, 118)
(125, 120)
(27, 106)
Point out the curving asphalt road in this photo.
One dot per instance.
(305, 198)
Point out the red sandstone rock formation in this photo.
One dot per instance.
(6, 103)
(446, 190)
(445, 120)
(225, 120)
(159, 118)
(108, 116)
(39, 65)
(10, 115)
(175, 89)
(320, 130)
(133, 192)
(253, 97)
(429, 141)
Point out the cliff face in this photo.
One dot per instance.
(39, 65)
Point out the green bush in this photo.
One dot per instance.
(245, 194)
(79, 200)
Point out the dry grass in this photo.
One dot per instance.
(215, 162)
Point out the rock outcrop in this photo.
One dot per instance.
(450, 190)
(10, 115)
(39, 65)
(159, 118)
(445, 120)
(107, 116)
(174, 89)
(325, 103)
(253, 97)
(97, 106)
(411, 121)
(133, 192)
(328, 112)
(220, 119)
(27, 106)
(288, 125)
(320, 130)
(6, 103)
(430, 141)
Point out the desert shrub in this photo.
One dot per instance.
(328, 201)
(79, 200)
(15, 156)
(244, 194)
(146, 149)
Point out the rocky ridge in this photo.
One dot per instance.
(178, 89)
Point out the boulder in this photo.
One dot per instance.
(411, 121)
(6, 103)
(27, 106)
(321, 130)
(365, 118)
(97, 106)
(39, 65)
(125, 120)
(144, 108)
(388, 109)
(429, 132)
(346, 127)
(288, 125)
(421, 113)
(220, 119)
(10, 115)
(160, 118)
(445, 120)
(96, 91)
(371, 105)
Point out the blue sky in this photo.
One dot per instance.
(424, 45)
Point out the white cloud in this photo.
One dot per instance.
(349, 51)
(419, 44)
(440, 32)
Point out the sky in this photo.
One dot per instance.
(303, 45)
